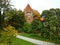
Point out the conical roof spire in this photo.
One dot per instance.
(28, 8)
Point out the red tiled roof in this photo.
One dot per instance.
(28, 8)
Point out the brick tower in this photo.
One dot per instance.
(28, 14)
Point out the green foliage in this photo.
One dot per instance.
(17, 20)
(27, 28)
(52, 23)
(45, 33)
(36, 26)
(9, 14)
(4, 6)
(7, 34)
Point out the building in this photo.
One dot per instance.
(28, 14)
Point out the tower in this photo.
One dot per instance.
(28, 14)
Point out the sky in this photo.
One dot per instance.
(39, 5)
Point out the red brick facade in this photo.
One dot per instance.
(28, 14)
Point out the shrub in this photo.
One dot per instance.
(27, 28)
(7, 34)
(36, 26)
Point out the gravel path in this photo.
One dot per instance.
(38, 42)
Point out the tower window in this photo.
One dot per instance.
(28, 13)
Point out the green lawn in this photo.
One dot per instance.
(35, 36)
(17, 41)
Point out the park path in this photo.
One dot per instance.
(38, 42)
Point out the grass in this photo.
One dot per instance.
(21, 42)
(35, 36)
(17, 41)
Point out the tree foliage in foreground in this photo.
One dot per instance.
(36, 26)
(4, 6)
(17, 19)
(52, 23)
(7, 34)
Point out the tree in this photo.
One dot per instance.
(17, 19)
(36, 14)
(27, 28)
(36, 26)
(52, 22)
(9, 14)
(4, 6)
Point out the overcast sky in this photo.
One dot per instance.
(39, 5)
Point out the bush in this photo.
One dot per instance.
(36, 26)
(45, 32)
(27, 28)
(7, 34)
(20, 30)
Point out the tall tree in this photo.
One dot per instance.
(52, 21)
(17, 19)
(4, 5)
